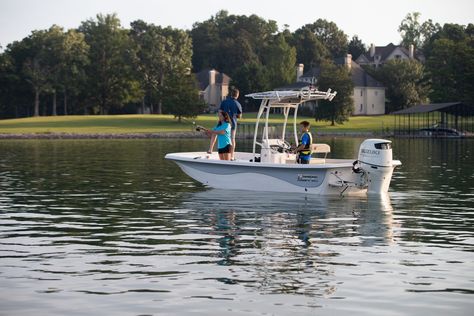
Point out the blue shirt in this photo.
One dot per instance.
(233, 108)
(305, 140)
(223, 139)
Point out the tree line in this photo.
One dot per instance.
(102, 67)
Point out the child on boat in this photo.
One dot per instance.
(222, 131)
(304, 148)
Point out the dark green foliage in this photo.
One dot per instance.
(338, 79)
(181, 97)
(450, 64)
(405, 82)
(113, 83)
(356, 47)
(161, 54)
(247, 48)
(416, 33)
(334, 39)
(310, 51)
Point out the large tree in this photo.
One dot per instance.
(310, 51)
(73, 61)
(247, 48)
(181, 97)
(405, 82)
(110, 76)
(414, 32)
(356, 47)
(279, 59)
(333, 39)
(161, 55)
(16, 93)
(450, 64)
(36, 64)
(338, 79)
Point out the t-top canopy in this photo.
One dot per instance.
(293, 96)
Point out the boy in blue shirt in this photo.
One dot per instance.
(304, 148)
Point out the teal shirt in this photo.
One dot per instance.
(223, 139)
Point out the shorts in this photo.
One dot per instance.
(224, 150)
(303, 161)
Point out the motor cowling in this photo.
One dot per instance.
(375, 159)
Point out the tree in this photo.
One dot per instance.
(73, 61)
(405, 81)
(334, 39)
(110, 82)
(338, 79)
(36, 66)
(414, 32)
(279, 59)
(53, 40)
(309, 49)
(15, 92)
(182, 97)
(356, 47)
(450, 66)
(161, 54)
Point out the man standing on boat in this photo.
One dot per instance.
(234, 109)
(304, 148)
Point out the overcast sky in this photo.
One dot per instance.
(373, 21)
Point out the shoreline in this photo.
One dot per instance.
(175, 135)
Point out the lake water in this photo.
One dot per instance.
(92, 227)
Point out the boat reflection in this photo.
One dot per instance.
(283, 239)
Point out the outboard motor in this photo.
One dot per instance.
(375, 160)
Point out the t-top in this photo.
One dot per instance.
(223, 139)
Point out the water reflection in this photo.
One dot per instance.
(288, 239)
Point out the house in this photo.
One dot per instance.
(213, 87)
(378, 55)
(369, 94)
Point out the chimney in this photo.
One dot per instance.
(348, 61)
(299, 72)
(372, 50)
(411, 51)
(212, 77)
(211, 96)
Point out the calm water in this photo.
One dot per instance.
(110, 228)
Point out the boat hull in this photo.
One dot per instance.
(335, 177)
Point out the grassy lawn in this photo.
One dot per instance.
(117, 124)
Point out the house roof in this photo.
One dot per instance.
(203, 78)
(360, 78)
(456, 108)
(385, 51)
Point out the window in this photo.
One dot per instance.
(376, 93)
(360, 108)
(373, 106)
(361, 92)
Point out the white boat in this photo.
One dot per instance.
(271, 166)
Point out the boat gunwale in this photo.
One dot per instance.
(344, 163)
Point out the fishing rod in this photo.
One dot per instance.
(195, 127)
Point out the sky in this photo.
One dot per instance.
(373, 21)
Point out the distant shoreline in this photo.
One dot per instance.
(171, 135)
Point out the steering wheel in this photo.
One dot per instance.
(283, 147)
